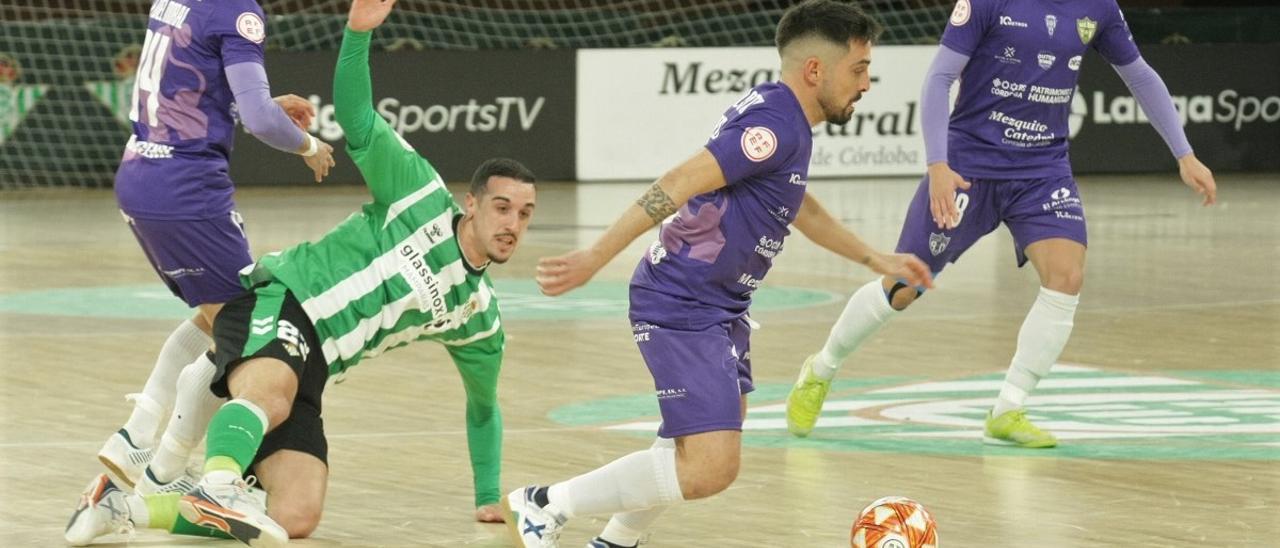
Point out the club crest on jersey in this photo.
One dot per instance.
(960, 15)
(759, 143)
(1086, 27)
(250, 26)
(938, 243)
(1050, 23)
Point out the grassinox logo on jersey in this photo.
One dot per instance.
(1096, 413)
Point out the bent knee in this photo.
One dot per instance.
(900, 295)
(298, 522)
(711, 481)
(1067, 281)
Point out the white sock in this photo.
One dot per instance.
(626, 529)
(139, 514)
(867, 311)
(1040, 341)
(183, 346)
(195, 405)
(637, 481)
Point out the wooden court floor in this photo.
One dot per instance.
(1167, 399)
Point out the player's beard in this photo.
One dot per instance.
(493, 255)
(842, 113)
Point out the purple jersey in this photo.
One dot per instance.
(721, 244)
(1011, 118)
(175, 163)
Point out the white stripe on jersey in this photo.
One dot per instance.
(407, 202)
(351, 343)
(497, 324)
(371, 277)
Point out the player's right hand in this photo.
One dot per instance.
(902, 266)
(366, 15)
(943, 183)
(321, 161)
(558, 275)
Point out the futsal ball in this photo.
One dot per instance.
(894, 522)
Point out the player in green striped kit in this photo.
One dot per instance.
(410, 266)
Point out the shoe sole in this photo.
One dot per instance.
(513, 521)
(116, 471)
(1006, 443)
(204, 513)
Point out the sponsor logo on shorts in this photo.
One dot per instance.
(672, 393)
(1062, 199)
(938, 243)
(183, 272)
(292, 340)
(262, 326)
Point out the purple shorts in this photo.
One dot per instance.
(1033, 210)
(700, 375)
(200, 261)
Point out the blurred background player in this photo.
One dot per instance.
(690, 294)
(200, 70)
(1003, 158)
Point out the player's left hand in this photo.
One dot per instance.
(300, 110)
(558, 275)
(1199, 178)
(902, 266)
(490, 513)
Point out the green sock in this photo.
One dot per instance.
(163, 509)
(235, 433)
(183, 527)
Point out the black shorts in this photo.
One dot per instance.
(268, 322)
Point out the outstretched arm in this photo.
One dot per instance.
(479, 365)
(697, 175)
(818, 225)
(1153, 96)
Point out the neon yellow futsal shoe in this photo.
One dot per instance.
(1014, 429)
(804, 403)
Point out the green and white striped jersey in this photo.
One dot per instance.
(392, 273)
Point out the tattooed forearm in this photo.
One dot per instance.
(657, 204)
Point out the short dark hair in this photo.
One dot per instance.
(499, 167)
(836, 22)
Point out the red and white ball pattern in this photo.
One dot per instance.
(894, 522)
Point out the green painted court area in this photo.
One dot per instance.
(1210, 415)
(520, 300)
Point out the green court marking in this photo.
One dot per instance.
(1203, 415)
(520, 299)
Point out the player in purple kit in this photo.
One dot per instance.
(201, 70)
(733, 201)
(1003, 158)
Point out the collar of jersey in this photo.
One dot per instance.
(473, 270)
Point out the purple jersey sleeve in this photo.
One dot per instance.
(1114, 41)
(968, 24)
(752, 144)
(1153, 96)
(935, 101)
(241, 29)
(259, 113)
